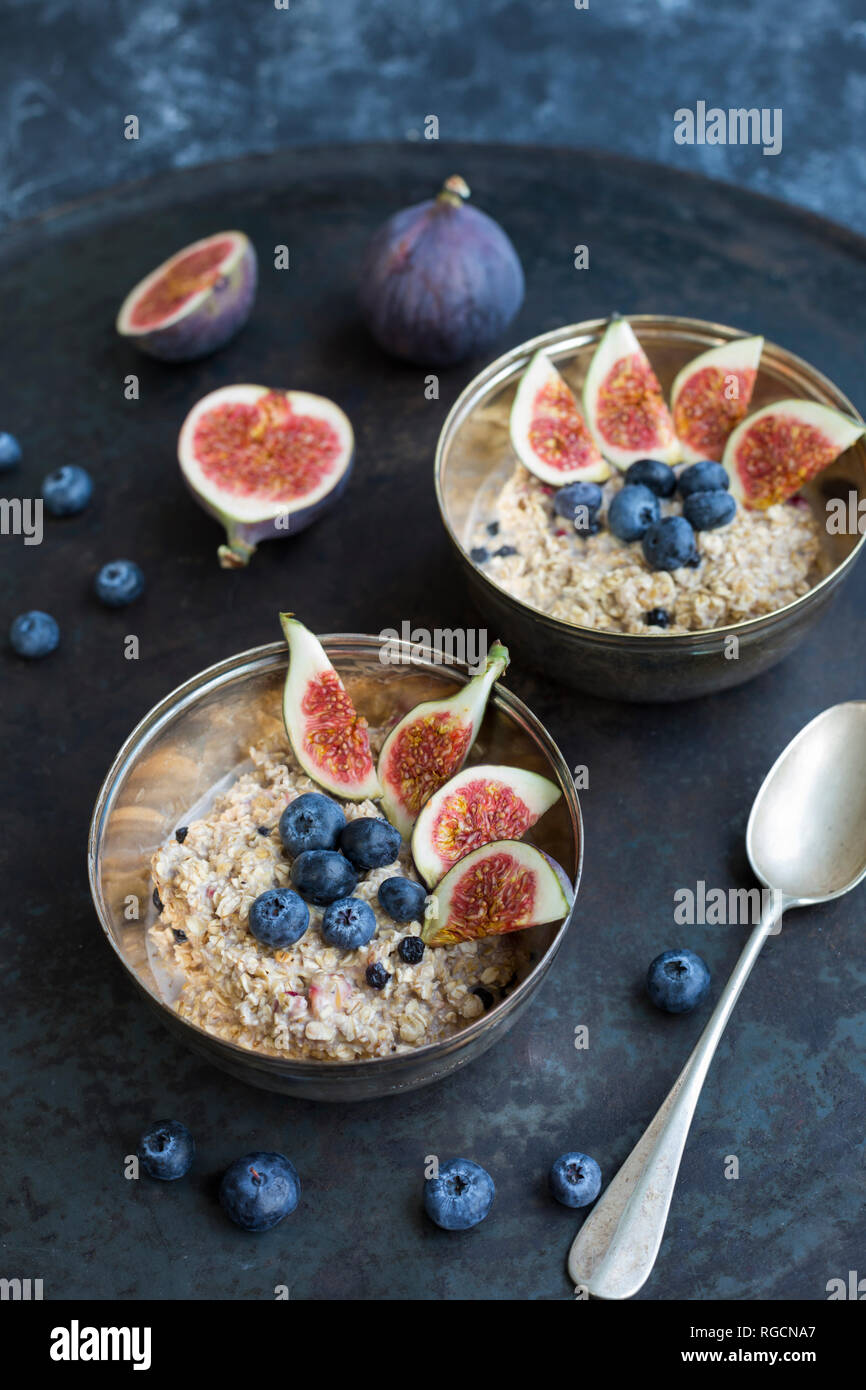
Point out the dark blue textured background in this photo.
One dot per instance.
(211, 79)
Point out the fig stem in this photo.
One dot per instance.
(455, 190)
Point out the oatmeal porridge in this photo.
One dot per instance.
(759, 562)
(308, 1000)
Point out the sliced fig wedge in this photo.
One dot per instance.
(194, 302)
(431, 742)
(775, 451)
(481, 804)
(711, 395)
(623, 402)
(328, 736)
(500, 888)
(548, 433)
(265, 463)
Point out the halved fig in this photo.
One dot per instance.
(775, 451)
(623, 402)
(328, 736)
(479, 805)
(548, 432)
(265, 463)
(499, 888)
(431, 742)
(711, 395)
(195, 301)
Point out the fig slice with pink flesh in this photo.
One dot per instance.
(265, 463)
(776, 450)
(711, 395)
(328, 737)
(548, 432)
(481, 804)
(623, 402)
(431, 743)
(502, 887)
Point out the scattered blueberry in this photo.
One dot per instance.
(575, 1180)
(506, 550)
(67, 491)
(485, 996)
(10, 451)
(179, 935)
(460, 1197)
(669, 544)
(279, 918)
(632, 510)
(157, 900)
(166, 1150)
(348, 924)
(370, 842)
(411, 949)
(259, 1190)
(657, 617)
(403, 900)
(479, 554)
(311, 821)
(118, 583)
(703, 477)
(181, 833)
(322, 875)
(493, 528)
(677, 981)
(708, 510)
(377, 975)
(659, 477)
(263, 830)
(34, 634)
(568, 499)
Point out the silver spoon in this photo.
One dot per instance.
(806, 842)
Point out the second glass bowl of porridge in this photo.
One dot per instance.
(588, 607)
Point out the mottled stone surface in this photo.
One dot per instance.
(211, 79)
(86, 1066)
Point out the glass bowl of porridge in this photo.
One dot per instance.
(582, 607)
(185, 830)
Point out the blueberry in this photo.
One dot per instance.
(657, 617)
(67, 491)
(659, 477)
(506, 550)
(402, 899)
(493, 528)
(119, 583)
(567, 500)
(279, 918)
(370, 842)
(631, 512)
(181, 833)
(677, 981)
(670, 544)
(263, 830)
(575, 1179)
(157, 900)
(259, 1190)
(322, 875)
(166, 1150)
(708, 510)
(377, 976)
(311, 821)
(10, 451)
(179, 935)
(411, 949)
(479, 554)
(703, 477)
(485, 996)
(348, 924)
(460, 1197)
(34, 634)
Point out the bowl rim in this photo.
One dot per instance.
(271, 656)
(500, 368)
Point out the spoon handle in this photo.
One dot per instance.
(616, 1247)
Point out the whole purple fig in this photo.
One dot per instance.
(440, 280)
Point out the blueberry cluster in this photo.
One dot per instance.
(329, 857)
(65, 492)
